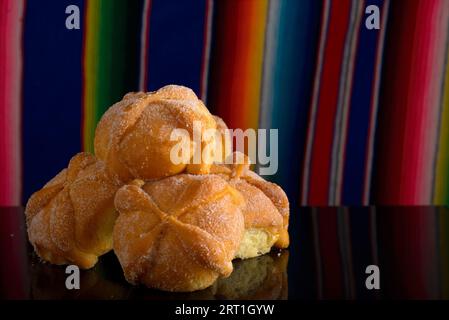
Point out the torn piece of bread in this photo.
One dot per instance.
(266, 209)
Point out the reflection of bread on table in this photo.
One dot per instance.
(48, 282)
(260, 278)
(263, 277)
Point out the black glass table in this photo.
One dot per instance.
(331, 248)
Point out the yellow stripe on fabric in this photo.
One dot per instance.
(257, 25)
(441, 195)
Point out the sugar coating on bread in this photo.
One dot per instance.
(70, 220)
(179, 233)
(134, 135)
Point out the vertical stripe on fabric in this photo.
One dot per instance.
(11, 66)
(314, 103)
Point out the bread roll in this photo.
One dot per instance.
(134, 137)
(70, 220)
(179, 233)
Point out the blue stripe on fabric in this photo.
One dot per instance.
(360, 110)
(176, 43)
(293, 79)
(52, 89)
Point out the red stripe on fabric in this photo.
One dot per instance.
(230, 75)
(240, 79)
(394, 101)
(20, 144)
(222, 89)
(11, 31)
(305, 174)
(4, 156)
(432, 77)
(413, 125)
(328, 97)
(405, 158)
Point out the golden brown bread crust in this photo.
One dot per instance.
(267, 205)
(70, 219)
(179, 233)
(133, 136)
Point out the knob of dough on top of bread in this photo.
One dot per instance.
(179, 233)
(70, 220)
(266, 210)
(134, 136)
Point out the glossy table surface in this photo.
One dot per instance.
(327, 259)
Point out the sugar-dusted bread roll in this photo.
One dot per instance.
(70, 220)
(134, 137)
(179, 233)
(266, 209)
